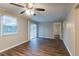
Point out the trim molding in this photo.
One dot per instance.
(45, 38)
(13, 46)
(67, 48)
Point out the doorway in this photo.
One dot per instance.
(57, 30)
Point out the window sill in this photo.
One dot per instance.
(8, 34)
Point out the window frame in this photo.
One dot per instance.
(1, 26)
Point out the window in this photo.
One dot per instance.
(9, 25)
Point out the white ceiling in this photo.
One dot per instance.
(53, 11)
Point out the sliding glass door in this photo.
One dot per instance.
(33, 30)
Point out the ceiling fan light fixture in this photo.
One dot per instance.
(28, 12)
(30, 5)
(29, 8)
(32, 12)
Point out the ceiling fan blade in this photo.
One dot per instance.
(22, 12)
(77, 6)
(39, 9)
(17, 5)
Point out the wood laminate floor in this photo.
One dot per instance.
(38, 47)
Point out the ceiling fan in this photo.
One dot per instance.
(77, 6)
(28, 8)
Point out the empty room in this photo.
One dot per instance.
(39, 29)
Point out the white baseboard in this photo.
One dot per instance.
(13, 46)
(46, 37)
(67, 48)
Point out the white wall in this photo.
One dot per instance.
(9, 41)
(77, 31)
(49, 29)
(69, 32)
(45, 30)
